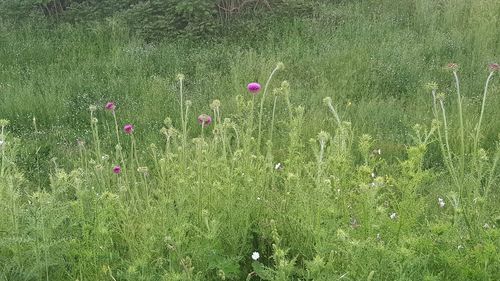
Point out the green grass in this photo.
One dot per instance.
(204, 206)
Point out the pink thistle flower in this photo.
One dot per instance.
(204, 120)
(253, 88)
(117, 169)
(110, 106)
(128, 129)
(452, 66)
(494, 67)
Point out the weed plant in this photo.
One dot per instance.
(342, 167)
(221, 205)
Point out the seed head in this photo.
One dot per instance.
(323, 137)
(452, 66)
(327, 101)
(440, 96)
(494, 67)
(431, 86)
(180, 77)
(92, 108)
(280, 66)
(164, 131)
(168, 122)
(4, 122)
(142, 170)
(215, 104)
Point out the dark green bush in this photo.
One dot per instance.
(159, 19)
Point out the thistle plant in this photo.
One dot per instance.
(459, 171)
(279, 66)
(454, 69)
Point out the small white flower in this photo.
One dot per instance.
(441, 202)
(486, 226)
(258, 198)
(255, 256)
(460, 247)
(278, 166)
(393, 216)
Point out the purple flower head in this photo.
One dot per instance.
(117, 169)
(494, 67)
(204, 120)
(253, 88)
(110, 106)
(128, 129)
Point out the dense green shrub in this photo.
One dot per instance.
(156, 19)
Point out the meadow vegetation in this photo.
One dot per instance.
(359, 141)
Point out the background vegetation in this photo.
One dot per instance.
(67, 219)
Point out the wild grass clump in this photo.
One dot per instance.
(221, 201)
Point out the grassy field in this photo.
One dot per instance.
(365, 164)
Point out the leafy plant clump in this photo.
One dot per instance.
(228, 197)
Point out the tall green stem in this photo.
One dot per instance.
(462, 129)
(478, 127)
(448, 150)
(272, 119)
(262, 103)
(116, 129)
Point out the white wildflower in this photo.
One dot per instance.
(255, 256)
(278, 166)
(393, 216)
(441, 202)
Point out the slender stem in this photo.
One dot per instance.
(332, 109)
(262, 105)
(462, 138)
(184, 128)
(2, 139)
(492, 172)
(289, 105)
(478, 127)
(272, 119)
(183, 119)
(449, 160)
(116, 128)
(322, 145)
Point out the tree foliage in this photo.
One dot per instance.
(155, 19)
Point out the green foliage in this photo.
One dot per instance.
(346, 189)
(156, 20)
(159, 19)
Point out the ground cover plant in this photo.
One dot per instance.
(368, 151)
